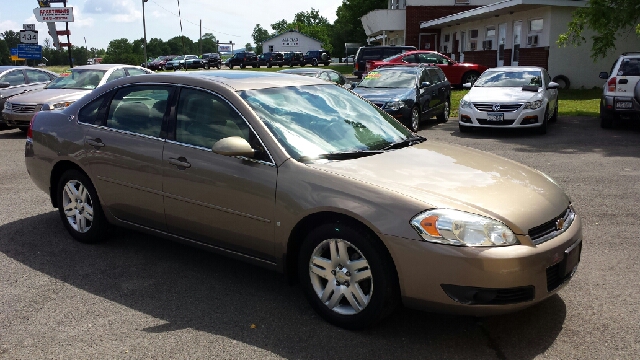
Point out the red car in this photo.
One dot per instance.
(457, 73)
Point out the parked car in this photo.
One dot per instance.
(210, 60)
(16, 80)
(408, 93)
(182, 62)
(292, 58)
(366, 53)
(457, 73)
(64, 91)
(315, 57)
(304, 177)
(324, 74)
(621, 92)
(160, 62)
(242, 59)
(510, 97)
(271, 59)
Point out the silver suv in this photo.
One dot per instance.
(621, 92)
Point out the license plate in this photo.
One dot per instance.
(572, 257)
(495, 116)
(624, 105)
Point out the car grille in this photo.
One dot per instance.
(496, 123)
(549, 230)
(470, 295)
(488, 107)
(23, 109)
(554, 277)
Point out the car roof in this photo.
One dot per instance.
(9, 67)
(517, 68)
(239, 80)
(99, 66)
(303, 71)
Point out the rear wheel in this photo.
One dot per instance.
(470, 77)
(348, 277)
(79, 207)
(242, 66)
(269, 65)
(230, 66)
(446, 112)
(315, 62)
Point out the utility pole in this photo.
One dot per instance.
(200, 36)
(144, 27)
(64, 3)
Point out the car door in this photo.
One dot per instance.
(17, 85)
(124, 153)
(437, 91)
(224, 201)
(424, 93)
(37, 79)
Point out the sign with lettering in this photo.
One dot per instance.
(290, 41)
(224, 48)
(28, 26)
(28, 37)
(28, 51)
(54, 14)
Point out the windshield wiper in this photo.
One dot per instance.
(406, 142)
(346, 155)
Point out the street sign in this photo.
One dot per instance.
(28, 37)
(28, 51)
(54, 14)
(28, 26)
(14, 52)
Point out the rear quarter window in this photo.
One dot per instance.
(629, 67)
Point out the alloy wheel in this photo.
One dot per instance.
(78, 206)
(415, 119)
(341, 277)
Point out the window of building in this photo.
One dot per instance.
(491, 31)
(536, 25)
(447, 38)
(473, 40)
(270, 48)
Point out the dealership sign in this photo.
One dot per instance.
(54, 14)
(290, 41)
(224, 48)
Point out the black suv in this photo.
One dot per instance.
(210, 60)
(242, 59)
(315, 57)
(293, 58)
(375, 53)
(271, 59)
(409, 93)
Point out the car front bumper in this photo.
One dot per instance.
(527, 274)
(524, 118)
(21, 119)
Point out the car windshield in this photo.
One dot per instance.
(316, 120)
(178, 58)
(509, 79)
(389, 79)
(390, 58)
(77, 79)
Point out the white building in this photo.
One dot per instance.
(496, 33)
(291, 40)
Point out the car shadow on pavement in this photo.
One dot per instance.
(12, 134)
(190, 288)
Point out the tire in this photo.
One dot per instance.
(72, 184)
(471, 77)
(315, 62)
(446, 112)
(542, 129)
(219, 66)
(414, 121)
(361, 288)
(269, 65)
(280, 65)
(464, 129)
(242, 66)
(327, 64)
(230, 66)
(163, 68)
(291, 64)
(554, 117)
(207, 66)
(563, 81)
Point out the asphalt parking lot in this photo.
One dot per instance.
(137, 296)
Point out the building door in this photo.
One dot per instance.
(456, 44)
(502, 39)
(517, 37)
(463, 44)
(429, 42)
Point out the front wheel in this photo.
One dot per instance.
(446, 112)
(554, 117)
(315, 62)
(414, 124)
(347, 276)
(79, 207)
(470, 77)
(230, 66)
(269, 65)
(242, 66)
(218, 66)
(542, 129)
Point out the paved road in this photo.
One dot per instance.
(141, 297)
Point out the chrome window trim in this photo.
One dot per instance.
(101, 127)
(202, 148)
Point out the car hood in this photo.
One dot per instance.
(499, 94)
(450, 176)
(383, 95)
(50, 96)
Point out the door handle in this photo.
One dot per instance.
(180, 162)
(96, 143)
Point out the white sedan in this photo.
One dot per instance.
(510, 97)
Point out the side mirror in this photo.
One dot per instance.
(425, 84)
(4, 85)
(466, 85)
(553, 85)
(604, 75)
(233, 146)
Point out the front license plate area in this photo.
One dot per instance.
(624, 105)
(572, 258)
(495, 116)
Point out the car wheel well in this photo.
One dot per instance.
(58, 169)
(311, 222)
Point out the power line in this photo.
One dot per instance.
(190, 22)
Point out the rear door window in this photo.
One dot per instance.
(135, 71)
(37, 76)
(139, 109)
(116, 74)
(15, 77)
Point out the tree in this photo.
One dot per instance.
(209, 43)
(121, 51)
(5, 54)
(608, 19)
(12, 38)
(248, 47)
(259, 36)
(348, 27)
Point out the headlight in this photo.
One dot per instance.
(454, 227)
(464, 104)
(533, 105)
(7, 105)
(394, 105)
(60, 105)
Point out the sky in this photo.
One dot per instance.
(100, 21)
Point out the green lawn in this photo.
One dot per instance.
(572, 102)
